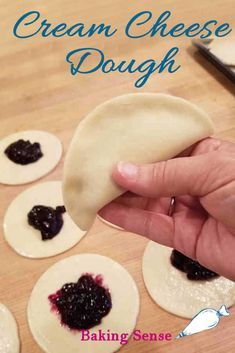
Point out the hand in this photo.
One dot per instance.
(202, 225)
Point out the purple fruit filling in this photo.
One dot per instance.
(83, 304)
(47, 219)
(24, 152)
(192, 268)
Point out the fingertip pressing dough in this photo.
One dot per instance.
(45, 325)
(141, 128)
(9, 338)
(14, 174)
(172, 291)
(26, 240)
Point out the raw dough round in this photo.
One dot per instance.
(15, 174)
(27, 240)
(9, 338)
(171, 289)
(224, 50)
(141, 128)
(45, 325)
(109, 223)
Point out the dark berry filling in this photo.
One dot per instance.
(83, 304)
(47, 219)
(192, 268)
(24, 152)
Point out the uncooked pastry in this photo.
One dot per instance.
(142, 128)
(45, 325)
(25, 239)
(9, 338)
(224, 50)
(171, 289)
(15, 174)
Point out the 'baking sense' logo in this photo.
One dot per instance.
(123, 337)
(88, 60)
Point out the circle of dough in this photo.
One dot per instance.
(224, 50)
(112, 225)
(25, 239)
(9, 338)
(171, 289)
(15, 174)
(139, 128)
(45, 325)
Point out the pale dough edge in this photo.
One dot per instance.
(12, 325)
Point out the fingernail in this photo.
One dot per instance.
(128, 170)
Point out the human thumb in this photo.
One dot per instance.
(179, 176)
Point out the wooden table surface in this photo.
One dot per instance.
(38, 92)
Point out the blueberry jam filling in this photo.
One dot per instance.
(47, 219)
(192, 268)
(24, 152)
(83, 304)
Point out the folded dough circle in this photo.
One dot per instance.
(9, 338)
(45, 325)
(171, 289)
(25, 239)
(15, 174)
(141, 128)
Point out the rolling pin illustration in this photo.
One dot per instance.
(206, 319)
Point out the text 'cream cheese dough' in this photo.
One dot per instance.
(174, 292)
(45, 324)
(141, 128)
(15, 174)
(26, 240)
(9, 338)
